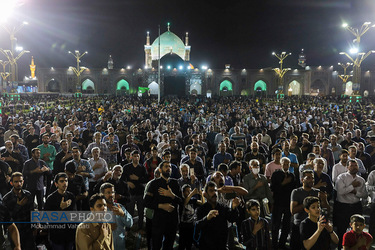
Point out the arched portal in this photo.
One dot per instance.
(226, 88)
(260, 86)
(349, 88)
(154, 88)
(122, 87)
(317, 87)
(244, 92)
(53, 86)
(88, 86)
(294, 88)
(197, 88)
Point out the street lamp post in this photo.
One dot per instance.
(359, 56)
(345, 77)
(280, 71)
(10, 54)
(78, 70)
(4, 74)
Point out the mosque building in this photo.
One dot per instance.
(184, 79)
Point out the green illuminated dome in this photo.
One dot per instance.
(169, 43)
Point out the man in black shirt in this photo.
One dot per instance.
(11, 157)
(61, 200)
(282, 185)
(76, 184)
(32, 140)
(33, 171)
(196, 165)
(164, 196)
(122, 195)
(62, 157)
(5, 171)
(19, 204)
(136, 177)
(12, 229)
(212, 219)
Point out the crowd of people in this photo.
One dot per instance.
(221, 173)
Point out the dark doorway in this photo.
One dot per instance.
(174, 85)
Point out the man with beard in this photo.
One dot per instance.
(123, 218)
(222, 156)
(238, 156)
(33, 171)
(212, 219)
(164, 196)
(282, 184)
(19, 204)
(136, 177)
(48, 155)
(255, 154)
(84, 169)
(14, 159)
(121, 188)
(340, 167)
(61, 200)
(351, 189)
(297, 207)
(76, 185)
(62, 157)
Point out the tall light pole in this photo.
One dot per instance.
(359, 56)
(345, 77)
(11, 54)
(4, 74)
(78, 70)
(280, 71)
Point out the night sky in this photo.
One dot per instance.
(242, 33)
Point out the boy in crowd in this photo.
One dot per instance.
(255, 229)
(316, 231)
(356, 238)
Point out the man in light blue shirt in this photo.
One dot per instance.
(292, 157)
(123, 218)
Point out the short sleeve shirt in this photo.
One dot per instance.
(350, 239)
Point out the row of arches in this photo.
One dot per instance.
(225, 87)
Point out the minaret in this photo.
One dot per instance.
(148, 60)
(110, 62)
(32, 68)
(187, 48)
(302, 59)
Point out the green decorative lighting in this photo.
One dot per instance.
(88, 83)
(260, 84)
(226, 84)
(142, 89)
(122, 83)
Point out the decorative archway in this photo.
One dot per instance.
(197, 88)
(294, 88)
(88, 86)
(53, 86)
(226, 88)
(260, 86)
(244, 92)
(317, 87)
(122, 87)
(154, 88)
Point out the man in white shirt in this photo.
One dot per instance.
(350, 189)
(99, 166)
(352, 155)
(340, 167)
